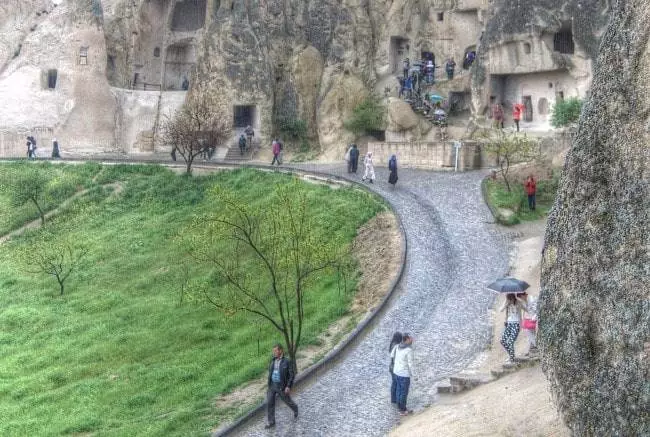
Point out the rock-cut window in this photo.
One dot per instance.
(83, 56)
(156, 52)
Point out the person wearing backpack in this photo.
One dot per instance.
(276, 148)
(242, 144)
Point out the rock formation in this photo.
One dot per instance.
(595, 301)
(123, 64)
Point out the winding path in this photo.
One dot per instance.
(454, 250)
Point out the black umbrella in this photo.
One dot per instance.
(509, 285)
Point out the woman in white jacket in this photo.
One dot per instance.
(403, 370)
(370, 168)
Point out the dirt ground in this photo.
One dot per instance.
(518, 404)
(377, 249)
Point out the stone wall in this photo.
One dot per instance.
(594, 327)
(425, 155)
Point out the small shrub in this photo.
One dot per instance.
(293, 128)
(368, 116)
(566, 112)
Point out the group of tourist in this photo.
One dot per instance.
(498, 114)
(31, 148)
(352, 159)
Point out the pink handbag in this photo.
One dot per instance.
(529, 324)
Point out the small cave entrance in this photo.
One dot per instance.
(245, 115)
(428, 56)
(468, 57)
(563, 39)
(542, 106)
(52, 75)
(528, 108)
(188, 15)
(459, 102)
(398, 51)
(179, 64)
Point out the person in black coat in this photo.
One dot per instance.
(281, 376)
(392, 166)
(354, 158)
(55, 149)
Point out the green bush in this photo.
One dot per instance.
(293, 129)
(516, 200)
(566, 112)
(368, 116)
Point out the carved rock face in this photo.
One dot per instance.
(595, 303)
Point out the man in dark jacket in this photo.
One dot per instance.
(242, 144)
(354, 159)
(281, 377)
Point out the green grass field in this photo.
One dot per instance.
(517, 201)
(119, 354)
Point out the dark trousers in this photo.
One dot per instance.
(249, 141)
(403, 384)
(531, 202)
(393, 388)
(273, 391)
(276, 158)
(517, 123)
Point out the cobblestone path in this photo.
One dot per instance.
(453, 253)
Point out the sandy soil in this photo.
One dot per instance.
(518, 404)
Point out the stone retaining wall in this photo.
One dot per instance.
(427, 155)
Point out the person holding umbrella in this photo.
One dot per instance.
(513, 306)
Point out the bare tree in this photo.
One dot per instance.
(508, 148)
(271, 259)
(198, 127)
(57, 257)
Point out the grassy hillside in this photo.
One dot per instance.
(119, 354)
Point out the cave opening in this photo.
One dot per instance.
(189, 15)
(399, 49)
(179, 65)
(563, 39)
(245, 115)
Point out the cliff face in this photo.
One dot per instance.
(595, 302)
(269, 62)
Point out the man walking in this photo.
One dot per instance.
(242, 144)
(403, 370)
(276, 148)
(281, 377)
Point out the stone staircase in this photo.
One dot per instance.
(234, 154)
(462, 382)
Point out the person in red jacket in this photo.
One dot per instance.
(517, 109)
(531, 190)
